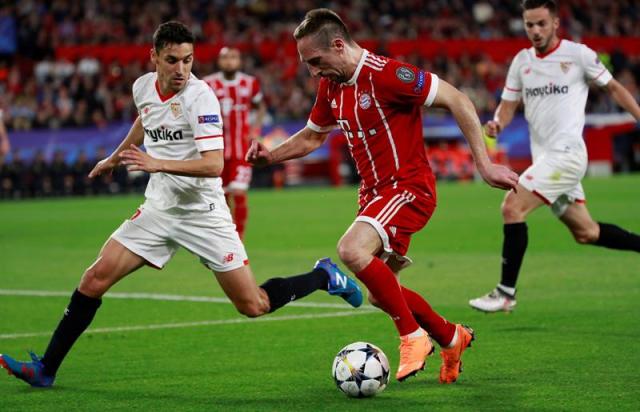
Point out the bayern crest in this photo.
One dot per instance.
(364, 101)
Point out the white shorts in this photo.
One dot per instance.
(156, 236)
(555, 177)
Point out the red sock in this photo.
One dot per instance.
(381, 282)
(241, 212)
(438, 327)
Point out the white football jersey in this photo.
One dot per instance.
(554, 90)
(178, 127)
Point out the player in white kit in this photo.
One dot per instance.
(552, 80)
(181, 126)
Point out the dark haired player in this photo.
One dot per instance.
(552, 79)
(181, 127)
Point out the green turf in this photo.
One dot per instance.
(571, 344)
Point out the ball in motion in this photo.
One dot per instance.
(361, 370)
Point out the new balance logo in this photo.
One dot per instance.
(341, 280)
(333, 104)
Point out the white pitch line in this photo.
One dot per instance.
(197, 324)
(165, 297)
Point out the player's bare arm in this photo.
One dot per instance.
(465, 114)
(502, 117)
(134, 137)
(209, 165)
(300, 144)
(622, 96)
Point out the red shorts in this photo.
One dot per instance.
(396, 214)
(236, 174)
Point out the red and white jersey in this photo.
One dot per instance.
(178, 127)
(378, 110)
(236, 98)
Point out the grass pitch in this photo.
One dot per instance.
(571, 343)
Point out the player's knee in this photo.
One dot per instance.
(349, 254)
(511, 211)
(97, 279)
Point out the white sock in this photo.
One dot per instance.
(454, 340)
(506, 289)
(417, 333)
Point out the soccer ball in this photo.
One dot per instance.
(361, 370)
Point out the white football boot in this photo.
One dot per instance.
(494, 301)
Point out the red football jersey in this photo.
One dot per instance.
(378, 110)
(236, 98)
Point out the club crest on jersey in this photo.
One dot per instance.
(364, 101)
(333, 104)
(565, 67)
(208, 118)
(405, 75)
(176, 109)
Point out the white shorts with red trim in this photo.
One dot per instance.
(555, 177)
(156, 236)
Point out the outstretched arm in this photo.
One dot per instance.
(622, 96)
(135, 137)
(465, 114)
(300, 144)
(501, 119)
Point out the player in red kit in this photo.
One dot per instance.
(377, 101)
(238, 94)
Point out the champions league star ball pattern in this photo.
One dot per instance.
(361, 370)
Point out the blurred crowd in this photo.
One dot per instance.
(41, 177)
(38, 91)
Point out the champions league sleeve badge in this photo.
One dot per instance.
(176, 109)
(405, 75)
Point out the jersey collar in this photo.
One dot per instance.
(548, 52)
(163, 97)
(353, 78)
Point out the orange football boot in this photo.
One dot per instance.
(413, 352)
(451, 363)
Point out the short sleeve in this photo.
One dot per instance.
(206, 121)
(135, 91)
(593, 68)
(321, 119)
(256, 93)
(513, 86)
(407, 84)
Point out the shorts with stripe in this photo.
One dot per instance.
(396, 214)
(156, 236)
